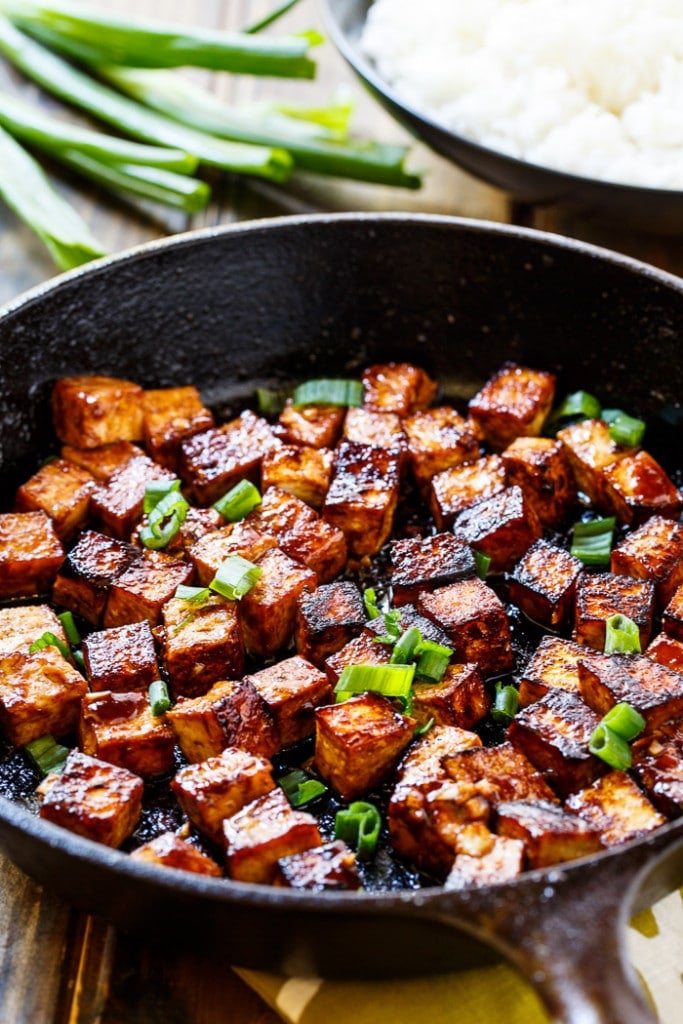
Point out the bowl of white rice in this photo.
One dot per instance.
(577, 101)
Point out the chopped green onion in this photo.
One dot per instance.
(482, 563)
(47, 755)
(393, 681)
(370, 603)
(50, 640)
(300, 788)
(69, 627)
(625, 721)
(159, 700)
(406, 646)
(359, 826)
(622, 635)
(273, 16)
(432, 661)
(610, 747)
(79, 661)
(269, 402)
(328, 391)
(239, 501)
(580, 405)
(421, 730)
(235, 578)
(193, 594)
(624, 429)
(165, 519)
(155, 490)
(592, 540)
(505, 704)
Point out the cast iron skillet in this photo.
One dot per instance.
(657, 210)
(276, 301)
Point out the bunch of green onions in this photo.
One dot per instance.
(116, 70)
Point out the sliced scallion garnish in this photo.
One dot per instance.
(622, 635)
(610, 747)
(624, 720)
(394, 681)
(159, 700)
(235, 578)
(328, 391)
(70, 628)
(482, 563)
(47, 755)
(49, 639)
(592, 540)
(300, 788)
(624, 429)
(194, 594)
(406, 646)
(505, 703)
(359, 826)
(166, 510)
(580, 405)
(155, 490)
(370, 603)
(432, 661)
(238, 502)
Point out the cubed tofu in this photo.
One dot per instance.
(400, 388)
(117, 505)
(666, 650)
(267, 612)
(292, 689)
(120, 728)
(515, 402)
(362, 650)
(459, 699)
(652, 689)
(358, 743)
(263, 832)
(456, 489)
(637, 487)
(104, 461)
(550, 835)
(498, 774)
(31, 553)
(327, 618)
(617, 808)
(88, 572)
(122, 659)
(144, 588)
(169, 850)
(201, 643)
(654, 551)
(169, 416)
(331, 866)
(438, 439)
(543, 583)
(316, 426)
(601, 595)
(424, 563)
(214, 460)
(476, 622)
(299, 470)
(422, 766)
(40, 693)
(380, 429)
(363, 495)
(22, 624)
(501, 863)
(539, 465)
(215, 789)
(502, 527)
(93, 799)
(553, 665)
(301, 533)
(209, 552)
(672, 616)
(230, 714)
(61, 489)
(89, 411)
(658, 765)
(590, 450)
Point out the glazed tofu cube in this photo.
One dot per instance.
(543, 584)
(654, 690)
(637, 487)
(550, 835)
(331, 866)
(515, 402)
(617, 808)
(169, 416)
(603, 594)
(122, 659)
(40, 693)
(120, 728)
(61, 489)
(117, 505)
(327, 619)
(363, 495)
(89, 411)
(438, 439)
(230, 714)
(498, 774)
(93, 799)
(89, 570)
(400, 388)
(23, 624)
(217, 788)
(170, 851)
(301, 533)
(503, 527)
(30, 554)
(214, 460)
(541, 468)
(459, 699)
(654, 551)
(554, 665)
(268, 612)
(424, 563)
(209, 552)
(666, 650)
(476, 622)
(263, 832)
(456, 489)
(299, 470)
(554, 733)
(292, 689)
(501, 863)
(422, 768)
(658, 764)
(590, 450)
(358, 743)
(362, 650)
(316, 426)
(201, 643)
(379, 429)
(104, 461)
(144, 588)
(672, 616)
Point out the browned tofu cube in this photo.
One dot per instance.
(503, 527)
(358, 743)
(590, 450)
(89, 411)
(327, 619)
(422, 768)
(456, 489)
(554, 733)
(170, 851)
(363, 495)
(362, 650)
(61, 489)
(316, 426)
(169, 416)
(513, 403)
(120, 728)
(652, 689)
(89, 571)
(30, 554)
(438, 439)
(214, 460)
(380, 429)
(601, 595)
(617, 808)
(331, 866)
(268, 612)
(658, 764)
(292, 689)
(40, 693)
(460, 699)
(476, 622)
(550, 835)
(637, 487)
(501, 863)
(201, 643)
(122, 659)
(666, 650)
(263, 832)
(209, 552)
(539, 465)
(553, 665)
(424, 563)
(672, 616)
(301, 533)
(498, 774)
(104, 461)
(93, 799)
(654, 551)
(397, 387)
(23, 624)
(299, 470)
(117, 504)
(215, 789)
(543, 583)
(230, 714)
(144, 588)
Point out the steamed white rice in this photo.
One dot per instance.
(590, 87)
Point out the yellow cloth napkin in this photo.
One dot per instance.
(477, 996)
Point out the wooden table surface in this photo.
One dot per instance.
(58, 965)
